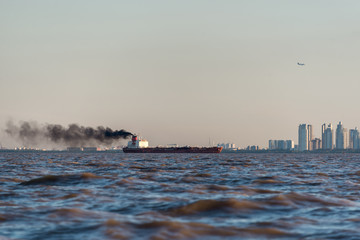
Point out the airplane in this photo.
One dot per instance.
(301, 64)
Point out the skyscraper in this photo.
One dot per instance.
(272, 144)
(327, 136)
(303, 138)
(354, 142)
(323, 128)
(309, 137)
(289, 144)
(281, 144)
(316, 144)
(346, 138)
(341, 137)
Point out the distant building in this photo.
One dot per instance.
(316, 144)
(303, 137)
(83, 149)
(74, 149)
(252, 148)
(227, 145)
(290, 144)
(90, 149)
(281, 144)
(354, 142)
(346, 138)
(341, 137)
(309, 137)
(272, 144)
(327, 137)
(172, 145)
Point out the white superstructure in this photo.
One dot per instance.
(138, 143)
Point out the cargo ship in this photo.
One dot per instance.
(142, 146)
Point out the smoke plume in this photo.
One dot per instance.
(32, 134)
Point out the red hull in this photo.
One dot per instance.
(173, 150)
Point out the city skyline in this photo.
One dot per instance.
(329, 139)
(181, 71)
(340, 139)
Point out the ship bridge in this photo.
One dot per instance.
(138, 143)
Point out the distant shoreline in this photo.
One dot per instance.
(334, 151)
(57, 151)
(293, 151)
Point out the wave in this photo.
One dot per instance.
(302, 200)
(166, 229)
(5, 238)
(211, 205)
(268, 180)
(252, 191)
(61, 179)
(289, 200)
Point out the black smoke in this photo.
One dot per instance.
(32, 134)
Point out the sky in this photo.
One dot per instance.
(185, 72)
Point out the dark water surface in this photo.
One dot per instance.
(179, 196)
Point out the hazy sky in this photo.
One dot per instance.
(182, 71)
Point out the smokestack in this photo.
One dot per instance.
(31, 133)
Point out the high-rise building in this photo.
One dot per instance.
(323, 128)
(272, 144)
(227, 145)
(281, 144)
(316, 144)
(327, 137)
(252, 148)
(309, 136)
(303, 138)
(354, 141)
(289, 144)
(341, 137)
(346, 138)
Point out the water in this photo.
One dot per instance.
(179, 196)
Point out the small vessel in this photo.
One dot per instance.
(142, 146)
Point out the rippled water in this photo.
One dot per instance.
(179, 196)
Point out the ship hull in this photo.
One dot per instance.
(173, 150)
